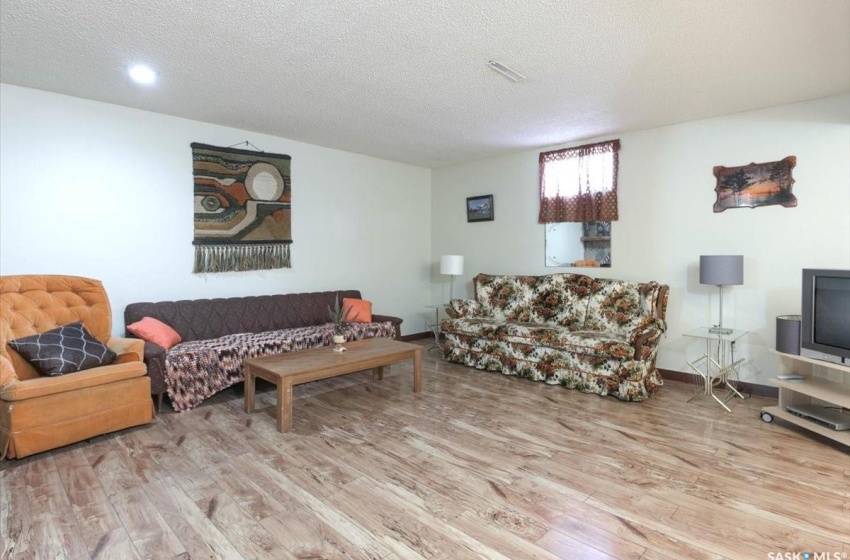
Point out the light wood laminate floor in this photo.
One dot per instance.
(478, 465)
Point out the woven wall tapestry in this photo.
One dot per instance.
(243, 206)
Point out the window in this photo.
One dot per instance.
(579, 185)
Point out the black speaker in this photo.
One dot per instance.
(788, 334)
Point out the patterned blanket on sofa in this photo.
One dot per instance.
(198, 369)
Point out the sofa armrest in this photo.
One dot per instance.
(47, 385)
(645, 336)
(121, 345)
(155, 360)
(396, 321)
(7, 372)
(458, 308)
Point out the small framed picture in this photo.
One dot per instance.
(479, 208)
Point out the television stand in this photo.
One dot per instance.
(824, 382)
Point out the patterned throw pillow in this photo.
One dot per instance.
(65, 349)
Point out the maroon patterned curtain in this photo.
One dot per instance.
(579, 184)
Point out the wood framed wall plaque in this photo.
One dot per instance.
(756, 184)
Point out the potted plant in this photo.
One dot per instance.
(340, 318)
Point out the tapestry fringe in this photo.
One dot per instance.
(238, 258)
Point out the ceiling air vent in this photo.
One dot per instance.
(510, 74)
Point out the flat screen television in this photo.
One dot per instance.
(825, 328)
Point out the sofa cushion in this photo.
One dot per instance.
(560, 299)
(357, 310)
(474, 326)
(619, 307)
(604, 344)
(155, 331)
(505, 297)
(65, 349)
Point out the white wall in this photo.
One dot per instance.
(666, 193)
(103, 191)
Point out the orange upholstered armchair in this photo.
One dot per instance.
(38, 413)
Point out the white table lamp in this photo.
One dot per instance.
(721, 270)
(451, 265)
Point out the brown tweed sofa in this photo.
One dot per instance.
(209, 319)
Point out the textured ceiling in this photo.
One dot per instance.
(408, 81)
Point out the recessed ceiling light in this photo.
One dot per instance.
(142, 74)
(509, 73)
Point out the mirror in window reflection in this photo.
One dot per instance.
(578, 244)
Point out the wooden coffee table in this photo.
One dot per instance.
(293, 368)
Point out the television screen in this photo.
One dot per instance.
(832, 311)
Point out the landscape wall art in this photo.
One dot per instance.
(756, 184)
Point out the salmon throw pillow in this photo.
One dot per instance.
(357, 310)
(155, 331)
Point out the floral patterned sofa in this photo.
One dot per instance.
(593, 334)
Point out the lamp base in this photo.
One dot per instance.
(720, 330)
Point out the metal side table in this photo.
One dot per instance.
(435, 326)
(716, 365)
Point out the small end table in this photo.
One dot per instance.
(716, 365)
(435, 326)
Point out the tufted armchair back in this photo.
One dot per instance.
(33, 304)
(200, 319)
